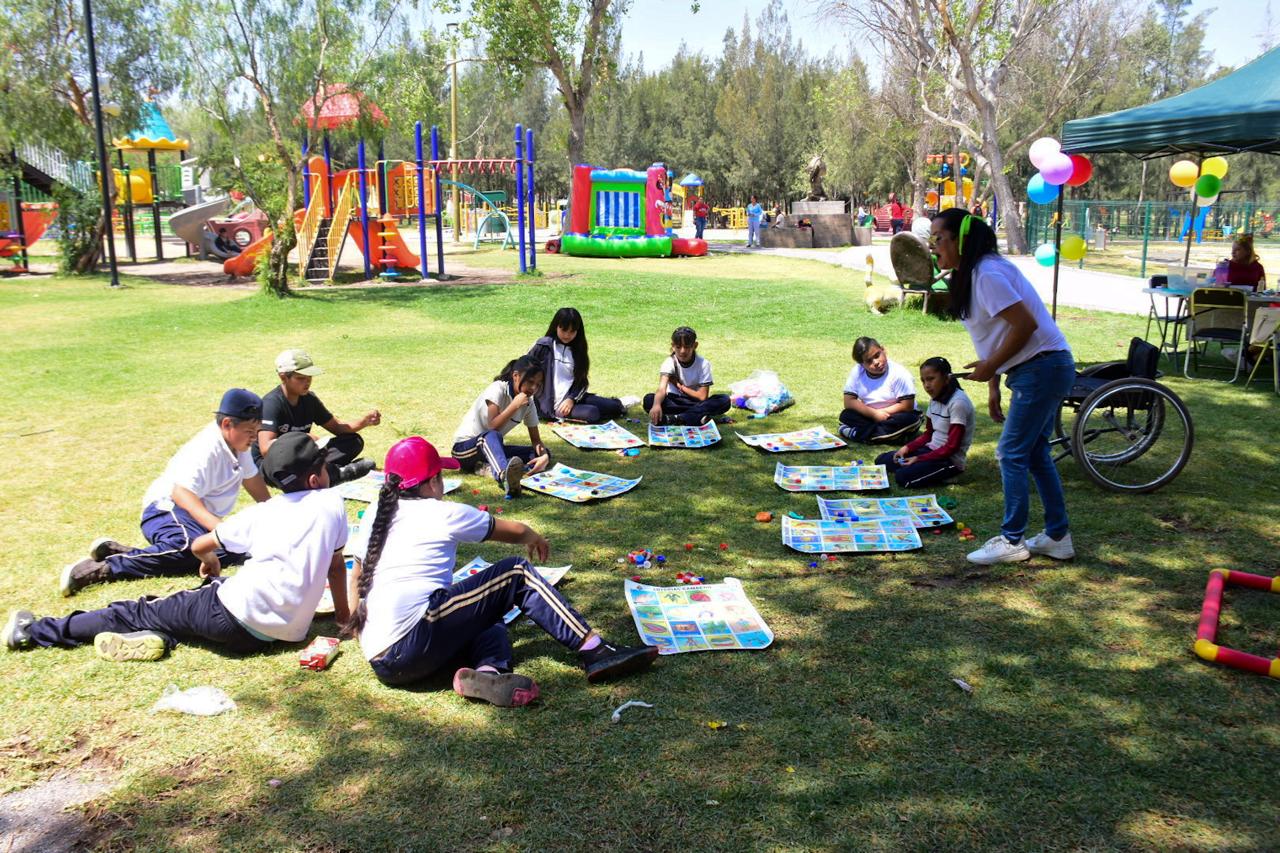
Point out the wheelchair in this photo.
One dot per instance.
(1126, 431)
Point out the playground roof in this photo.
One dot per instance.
(337, 105)
(1235, 113)
(691, 180)
(153, 132)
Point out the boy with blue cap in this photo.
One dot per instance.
(198, 488)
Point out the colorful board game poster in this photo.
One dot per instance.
(367, 487)
(813, 438)
(684, 436)
(576, 486)
(820, 536)
(608, 436)
(552, 576)
(701, 618)
(827, 478)
(923, 510)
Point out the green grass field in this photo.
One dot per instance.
(1091, 724)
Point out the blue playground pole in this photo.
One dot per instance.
(306, 175)
(328, 167)
(364, 210)
(520, 193)
(435, 156)
(533, 220)
(422, 214)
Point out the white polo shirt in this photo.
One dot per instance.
(290, 540)
(881, 391)
(997, 284)
(476, 421)
(208, 468)
(417, 558)
(696, 375)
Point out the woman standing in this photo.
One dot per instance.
(1015, 337)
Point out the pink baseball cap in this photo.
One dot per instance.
(414, 460)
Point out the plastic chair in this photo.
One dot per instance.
(1216, 315)
(1265, 331)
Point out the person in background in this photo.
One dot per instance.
(700, 212)
(1244, 266)
(754, 213)
(897, 213)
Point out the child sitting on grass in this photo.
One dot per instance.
(938, 453)
(879, 398)
(566, 365)
(684, 386)
(506, 402)
(294, 543)
(413, 619)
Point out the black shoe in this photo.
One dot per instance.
(77, 576)
(704, 420)
(607, 661)
(669, 420)
(513, 475)
(354, 471)
(15, 630)
(104, 547)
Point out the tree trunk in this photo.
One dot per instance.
(88, 262)
(916, 172)
(1015, 237)
(577, 130)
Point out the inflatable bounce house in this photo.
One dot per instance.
(623, 213)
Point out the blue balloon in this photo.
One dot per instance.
(1041, 192)
(1045, 253)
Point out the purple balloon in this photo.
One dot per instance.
(1057, 169)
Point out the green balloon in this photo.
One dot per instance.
(1207, 186)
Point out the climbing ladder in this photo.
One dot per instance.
(320, 240)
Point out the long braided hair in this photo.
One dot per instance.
(388, 502)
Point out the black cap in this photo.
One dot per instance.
(242, 404)
(289, 460)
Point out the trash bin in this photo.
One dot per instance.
(1099, 238)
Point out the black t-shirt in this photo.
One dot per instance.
(279, 417)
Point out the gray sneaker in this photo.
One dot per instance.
(513, 475)
(1058, 549)
(77, 576)
(104, 547)
(135, 645)
(15, 630)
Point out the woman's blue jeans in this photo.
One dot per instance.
(1036, 388)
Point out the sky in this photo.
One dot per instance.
(655, 28)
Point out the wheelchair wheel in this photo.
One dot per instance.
(1132, 435)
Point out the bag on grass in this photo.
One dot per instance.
(762, 392)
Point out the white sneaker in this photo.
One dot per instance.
(998, 550)
(1059, 549)
(629, 401)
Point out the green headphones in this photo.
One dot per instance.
(964, 231)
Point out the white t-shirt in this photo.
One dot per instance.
(476, 421)
(562, 380)
(881, 391)
(957, 410)
(208, 468)
(696, 375)
(290, 540)
(997, 284)
(417, 559)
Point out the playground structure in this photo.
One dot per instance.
(21, 225)
(140, 187)
(944, 196)
(623, 213)
(200, 225)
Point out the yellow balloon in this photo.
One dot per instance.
(1216, 166)
(1183, 173)
(1073, 247)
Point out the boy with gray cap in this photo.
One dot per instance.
(198, 488)
(291, 407)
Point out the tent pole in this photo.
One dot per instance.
(1191, 217)
(1057, 252)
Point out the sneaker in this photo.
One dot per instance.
(999, 550)
(669, 420)
(512, 476)
(1059, 549)
(607, 661)
(504, 689)
(628, 402)
(104, 547)
(847, 433)
(355, 470)
(77, 576)
(136, 645)
(15, 630)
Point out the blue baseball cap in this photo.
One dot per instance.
(241, 403)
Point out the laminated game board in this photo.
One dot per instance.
(576, 486)
(684, 436)
(608, 436)
(813, 438)
(367, 487)
(827, 478)
(552, 576)
(820, 536)
(923, 510)
(696, 618)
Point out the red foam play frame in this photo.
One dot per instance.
(1207, 634)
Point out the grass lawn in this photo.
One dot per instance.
(1091, 724)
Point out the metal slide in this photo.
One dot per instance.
(188, 223)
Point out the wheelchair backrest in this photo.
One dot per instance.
(1143, 359)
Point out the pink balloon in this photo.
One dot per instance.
(1042, 149)
(1057, 169)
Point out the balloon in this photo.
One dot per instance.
(1206, 202)
(1208, 186)
(1081, 170)
(1045, 254)
(1041, 192)
(1183, 173)
(1073, 247)
(1042, 148)
(1056, 169)
(931, 198)
(1216, 166)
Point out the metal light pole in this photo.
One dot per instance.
(104, 166)
(453, 132)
